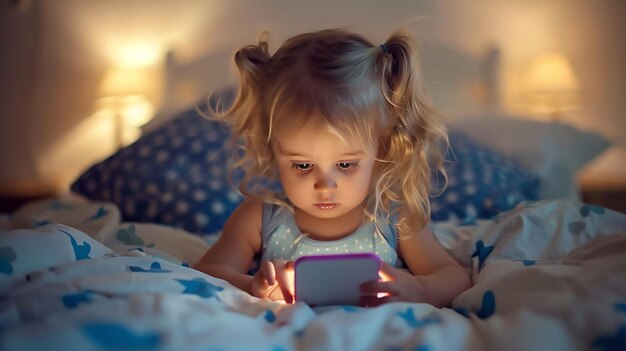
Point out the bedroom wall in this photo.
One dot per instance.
(54, 54)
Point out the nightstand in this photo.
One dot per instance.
(603, 181)
(15, 194)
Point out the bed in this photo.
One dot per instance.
(107, 266)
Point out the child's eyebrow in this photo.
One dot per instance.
(348, 154)
(281, 150)
(354, 153)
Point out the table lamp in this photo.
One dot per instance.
(551, 86)
(124, 95)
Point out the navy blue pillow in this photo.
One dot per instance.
(481, 182)
(175, 176)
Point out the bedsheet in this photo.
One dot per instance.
(546, 276)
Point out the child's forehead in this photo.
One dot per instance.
(310, 137)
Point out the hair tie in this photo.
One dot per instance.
(385, 49)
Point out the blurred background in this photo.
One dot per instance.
(62, 107)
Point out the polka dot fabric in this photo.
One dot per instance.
(481, 182)
(175, 175)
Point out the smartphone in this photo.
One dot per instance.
(326, 280)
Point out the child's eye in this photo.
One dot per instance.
(302, 166)
(347, 166)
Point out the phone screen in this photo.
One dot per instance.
(334, 279)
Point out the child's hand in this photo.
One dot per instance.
(395, 285)
(274, 281)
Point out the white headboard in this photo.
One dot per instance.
(458, 82)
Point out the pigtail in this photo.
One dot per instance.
(245, 115)
(251, 62)
(416, 141)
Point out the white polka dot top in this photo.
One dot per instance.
(282, 240)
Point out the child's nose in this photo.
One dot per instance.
(325, 182)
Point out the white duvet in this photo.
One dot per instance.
(547, 276)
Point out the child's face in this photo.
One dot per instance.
(321, 174)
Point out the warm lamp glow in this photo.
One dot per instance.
(135, 110)
(551, 85)
(124, 96)
(122, 81)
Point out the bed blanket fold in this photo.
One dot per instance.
(546, 276)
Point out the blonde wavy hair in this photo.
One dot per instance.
(350, 86)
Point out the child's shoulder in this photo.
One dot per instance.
(248, 213)
(250, 205)
(244, 224)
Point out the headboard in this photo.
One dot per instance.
(458, 82)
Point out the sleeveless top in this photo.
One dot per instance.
(282, 239)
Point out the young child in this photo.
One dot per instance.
(343, 126)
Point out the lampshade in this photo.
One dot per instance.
(551, 85)
(123, 81)
(125, 95)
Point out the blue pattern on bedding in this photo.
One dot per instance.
(615, 341)
(7, 256)
(350, 309)
(585, 210)
(155, 267)
(113, 336)
(270, 317)
(81, 251)
(482, 252)
(73, 300)
(612, 342)
(200, 287)
(488, 305)
(409, 317)
(128, 236)
(487, 309)
(101, 213)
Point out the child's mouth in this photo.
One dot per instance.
(326, 206)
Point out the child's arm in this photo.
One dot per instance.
(231, 256)
(436, 278)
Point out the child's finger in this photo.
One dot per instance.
(374, 287)
(283, 273)
(269, 272)
(264, 282)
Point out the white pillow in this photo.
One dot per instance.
(553, 150)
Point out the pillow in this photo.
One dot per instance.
(554, 151)
(481, 182)
(175, 175)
